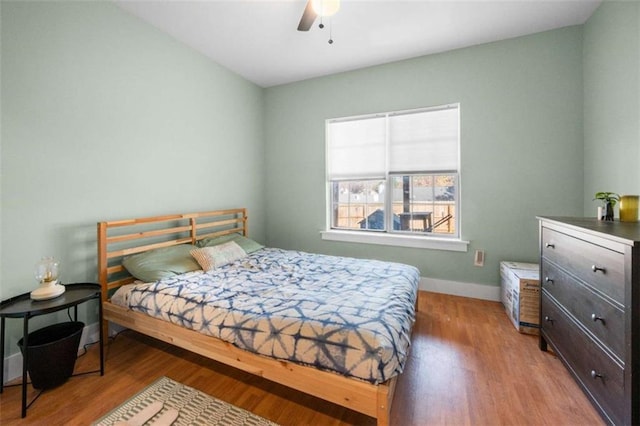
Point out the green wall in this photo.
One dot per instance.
(105, 117)
(612, 101)
(521, 146)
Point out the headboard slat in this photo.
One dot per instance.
(147, 247)
(115, 269)
(118, 283)
(147, 234)
(219, 233)
(219, 223)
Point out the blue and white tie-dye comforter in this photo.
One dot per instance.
(350, 316)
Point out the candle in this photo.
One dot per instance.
(599, 213)
(629, 208)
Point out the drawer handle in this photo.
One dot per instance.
(548, 280)
(595, 268)
(595, 374)
(550, 245)
(595, 318)
(547, 319)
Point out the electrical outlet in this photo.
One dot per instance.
(478, 259)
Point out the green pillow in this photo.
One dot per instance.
(165, 262)
(247, 244)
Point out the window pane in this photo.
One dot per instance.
(425, 203)
(358, 204)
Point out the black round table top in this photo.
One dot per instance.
(23, 305)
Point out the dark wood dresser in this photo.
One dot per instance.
(589, 312)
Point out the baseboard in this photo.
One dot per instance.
(13, 363)
(457, 288)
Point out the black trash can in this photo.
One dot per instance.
(52, 353)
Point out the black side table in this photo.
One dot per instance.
(23, 307)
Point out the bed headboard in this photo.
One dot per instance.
(120, 238)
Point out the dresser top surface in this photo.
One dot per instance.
(624, 232)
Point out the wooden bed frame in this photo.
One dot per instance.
(120, 238)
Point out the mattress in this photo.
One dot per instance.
(350, 316)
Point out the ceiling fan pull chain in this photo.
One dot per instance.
(330, 33)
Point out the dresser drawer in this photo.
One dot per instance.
(600, 375)
(595, 313)
(598, 266)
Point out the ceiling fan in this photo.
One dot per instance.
(315, 8)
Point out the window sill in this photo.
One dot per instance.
(415, 241)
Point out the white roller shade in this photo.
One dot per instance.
(403, 142)
(357, 148)
(424, 141)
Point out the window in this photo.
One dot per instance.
(395, 173)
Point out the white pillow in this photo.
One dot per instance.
(214, 257)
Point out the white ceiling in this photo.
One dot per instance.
(259, 39)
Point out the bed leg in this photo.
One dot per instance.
(383, 417)
(385, 398)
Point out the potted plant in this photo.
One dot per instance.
(609, 199)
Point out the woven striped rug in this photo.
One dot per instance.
(193, 408)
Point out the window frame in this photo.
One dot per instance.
(389, 236)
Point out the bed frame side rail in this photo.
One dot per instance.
(371, 400)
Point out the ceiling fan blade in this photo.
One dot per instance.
(308, 16)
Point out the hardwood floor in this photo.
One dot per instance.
(468, 366)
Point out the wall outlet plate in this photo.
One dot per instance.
(478, 259)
